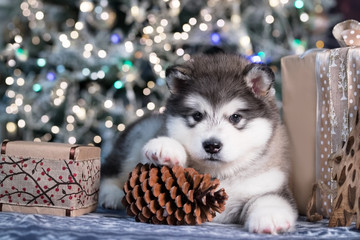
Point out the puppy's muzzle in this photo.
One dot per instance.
(212, 146)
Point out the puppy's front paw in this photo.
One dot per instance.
(165, 151)
(271, 219)
(110, 195)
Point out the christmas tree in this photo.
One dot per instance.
(81, 71)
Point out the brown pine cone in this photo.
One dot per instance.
(174, 196)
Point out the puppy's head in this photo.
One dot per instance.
(222, 109)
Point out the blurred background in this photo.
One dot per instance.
(79, 71)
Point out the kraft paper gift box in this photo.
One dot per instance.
(320, 99)
(49, 178)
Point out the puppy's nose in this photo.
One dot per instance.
(212, 146)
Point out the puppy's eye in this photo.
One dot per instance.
(197, 116)
(235, 118)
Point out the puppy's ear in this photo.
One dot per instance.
(259, 78)
(176, 77)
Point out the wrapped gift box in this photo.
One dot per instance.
(299, 114)
(320, 99)
(49, 178)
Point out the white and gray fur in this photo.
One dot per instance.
(221, 118)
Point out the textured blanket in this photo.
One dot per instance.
(106, 224)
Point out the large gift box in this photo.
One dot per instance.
(49, 178)
(320, 100)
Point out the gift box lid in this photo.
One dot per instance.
(49, 150)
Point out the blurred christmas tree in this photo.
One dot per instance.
(80, 71)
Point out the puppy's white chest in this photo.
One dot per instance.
(239, 188)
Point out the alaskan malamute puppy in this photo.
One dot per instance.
(221, 119)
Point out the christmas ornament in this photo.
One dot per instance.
(174, 196)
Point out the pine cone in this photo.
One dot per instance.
(174, 196)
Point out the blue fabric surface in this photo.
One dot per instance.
(107, 224)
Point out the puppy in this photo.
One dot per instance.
(221, 118)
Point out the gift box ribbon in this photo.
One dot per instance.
(347, 33)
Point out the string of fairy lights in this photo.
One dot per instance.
(89, 48)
